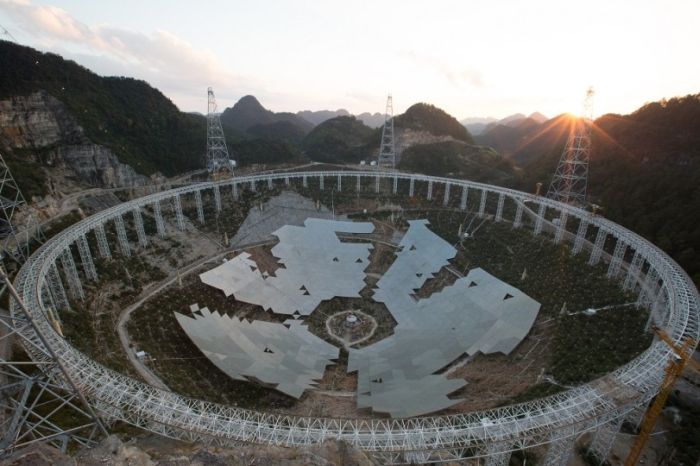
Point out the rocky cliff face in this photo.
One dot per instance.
(42, 129)
(406, 138)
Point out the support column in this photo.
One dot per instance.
(633, 272)
(86, 258)
(321, 183)
(217, 198)
(518, 220)
(252, 185)
(560, 448)
(359, 184)
(580, 236)
(74, 284)
(597, 250)
(636, 416)
(304, 181)
(178, 212)
(286, 181)
(56, 287)
(540, 219)
(140, 230)
(446, 199)
(561, 228)
(482, 203)
(121, 236)
(649, 289)
(463, 201)
(200, 207)
(430, 190)
(234, 190)
(269, 183)
(411, 187)
(604, 438)
(376, 184)
(499, 209)
(340, 183)
(102, 244)
(160, 224)
(496, 458)
(617, 257)
(396, 184)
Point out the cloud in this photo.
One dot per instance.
(456, 76)
(162, 58)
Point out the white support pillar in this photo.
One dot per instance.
(321, 184)
(269, 183)
(411, 187)
(482, 202)
(465, 196)
(561, 228)
(560, 448)
(217, 198)
(604, 438)
(234, 191)
(160, 224)
(286, 181)
(200, 207)
(496, 458)
(580, 236)
(636, 416)
(396, 184)
(304, 181)
(649, 290)
(633, 272)
(518, 220)
(359, 184)
(121, 236)
(102, 243)
(597, 250)
(56, 287)
(446, 198)
(430, 190)
(540, 219)
(86, 258)
(74, 284)
(499, 208)
(140, 230)
(252, 185)
(179, 217)
(376, 184)
(617, 257)
(340, 183)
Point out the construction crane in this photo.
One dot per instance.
(682, 357)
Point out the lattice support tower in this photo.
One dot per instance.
(86, 258)
(560, 448)
(482, 203)
(571, 178)
(18, 235)
(234, 191)
(160, 223)
(217, 154)
(561, 228)
(411, 187)
(396, 185)
(200, 207)
(376, 184)
(499, 208)
(140, 230)
(122, 239)
(252, 186)
(430, 190)
(217, 196)
(633, 272)
(616, 259)
(340, 183)
(496, 457)
(102, 243)
(56, 286)
(597, 250)
(604, 438)
(463, 199)
(387, 150)
(446, 198)
(580, 237)
(321, 183)
(269, 183)
(71, 272)
(358, 184)
(304, 181)
(539, 220)
(179, 217)
(518, 220)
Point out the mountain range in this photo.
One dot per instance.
(479, 125)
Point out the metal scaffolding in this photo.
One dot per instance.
(217, 154)
(140, 230)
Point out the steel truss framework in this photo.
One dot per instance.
(217, 153)
(387, 151)
(555, 421)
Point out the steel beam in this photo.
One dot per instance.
(56, 287)
(123, 241)
(75, 286)
(86, 258)
(102, 244)
(140, 230)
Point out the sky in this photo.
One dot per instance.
(472, 58)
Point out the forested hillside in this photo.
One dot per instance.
(343, 139)
(427, 117)
(136, 121)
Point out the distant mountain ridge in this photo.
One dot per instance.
(481, 125)
(248, 112)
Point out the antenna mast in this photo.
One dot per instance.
(571, 178)
(218, 162)
(387, 152)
